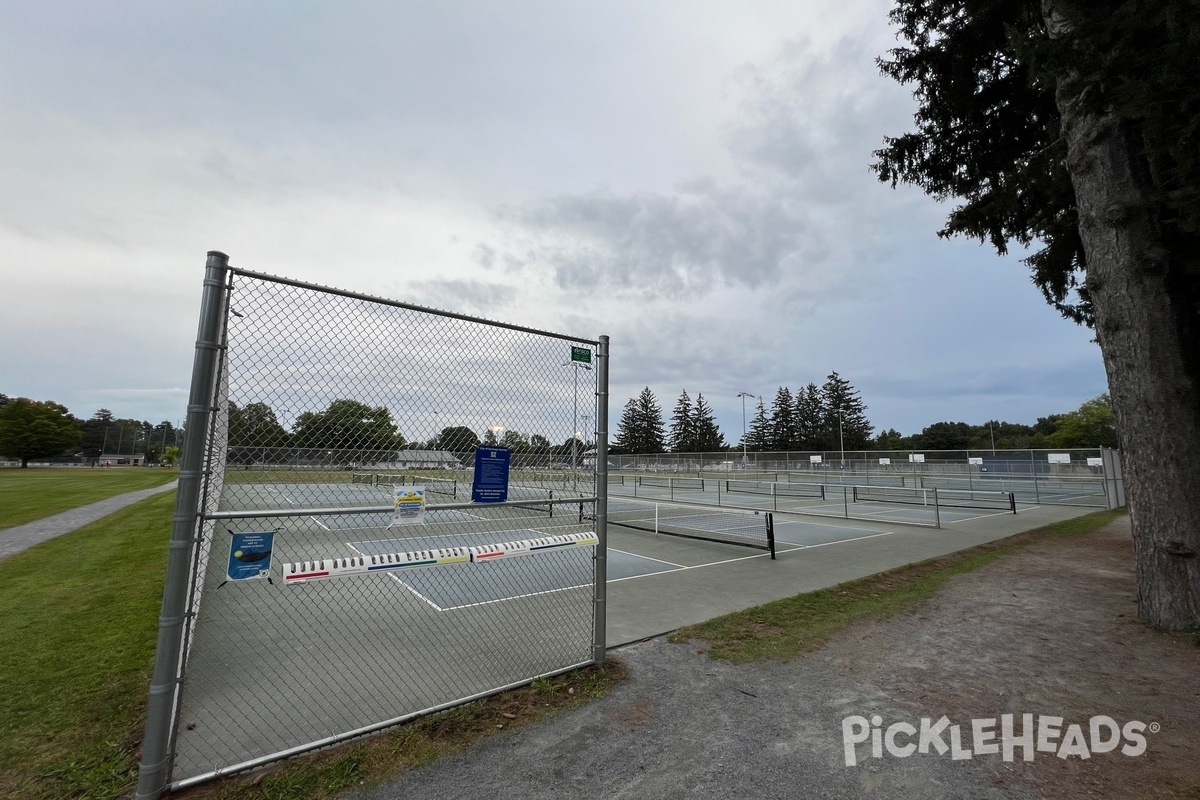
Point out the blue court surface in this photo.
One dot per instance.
(458, 586)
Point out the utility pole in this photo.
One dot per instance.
(744, 395)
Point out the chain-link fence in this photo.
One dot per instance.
(321, 602)
(1050, 477)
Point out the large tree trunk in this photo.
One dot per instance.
(1145, 325)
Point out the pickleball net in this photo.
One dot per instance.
(945, 498)
(445, 487)
(755, 529)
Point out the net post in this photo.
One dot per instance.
(1037, 497)
(1012, 501)
(154, 770)
(771, 534)
(600, 573)
(937, 511)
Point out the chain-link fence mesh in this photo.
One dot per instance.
(1074, 477)
(325, 402)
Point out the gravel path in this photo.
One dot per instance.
(21, 537)
(1048, 631)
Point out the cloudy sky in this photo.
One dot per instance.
(690, 178)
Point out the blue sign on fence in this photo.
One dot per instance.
(250, 556)
(491, 475)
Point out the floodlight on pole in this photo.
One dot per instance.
(744, 395)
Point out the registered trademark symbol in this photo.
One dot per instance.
(1155, 727)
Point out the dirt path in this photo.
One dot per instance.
(1049, 631)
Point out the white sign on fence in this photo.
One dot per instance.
(885, 461)
(1059, 458)
(814, 459)
(973, 460)
(916, 458)
(1095, 462)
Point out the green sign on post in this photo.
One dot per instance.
(581, 354)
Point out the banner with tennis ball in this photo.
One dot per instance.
(250, 555)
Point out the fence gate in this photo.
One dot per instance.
(308, 599)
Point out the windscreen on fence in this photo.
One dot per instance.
(351, 571)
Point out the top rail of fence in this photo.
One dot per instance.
(262, 276)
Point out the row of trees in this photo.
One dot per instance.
(1091, 425)
(33, 429)
(809, 420)
(355, 430)
(828, 418)
(812, 419)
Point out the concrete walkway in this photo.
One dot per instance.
(22, 537)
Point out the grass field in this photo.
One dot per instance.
(29, 494)
(78, 619)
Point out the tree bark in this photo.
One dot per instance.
(1144, 324)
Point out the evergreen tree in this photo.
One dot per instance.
(641, 427)
(709, 438)
(683, 430)
(783, 432)
(758, 435)
(809, 418)
(1072, 125)
(845, 421)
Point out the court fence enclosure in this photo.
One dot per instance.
(307, 599)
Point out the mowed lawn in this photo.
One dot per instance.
(33, 493)
(78, 619)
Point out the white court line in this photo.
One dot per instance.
(614, 580)
(295, 504)
(779, 522)
(985, 516)
(648, 558)
(397, 579)
(839, 541)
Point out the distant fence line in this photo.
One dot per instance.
(1081, 462)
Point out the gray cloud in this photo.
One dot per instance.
(800, 198)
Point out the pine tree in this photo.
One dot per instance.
(783, 431)
(1071, 126)
(758, 436)
(627, 428)
(709, 438)
(845, 422)
(641, 427)
(683, 431)
(809, 418)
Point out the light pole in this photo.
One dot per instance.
(744, 395)
(575, 420)
(841, 441)
(993, 433)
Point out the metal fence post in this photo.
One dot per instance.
(1037, 496)
(154, 769)
(599, 608)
